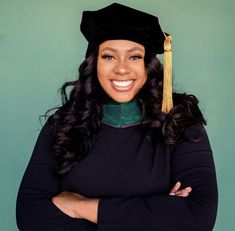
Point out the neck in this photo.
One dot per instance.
(121, 115)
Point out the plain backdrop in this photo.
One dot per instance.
(41, 47)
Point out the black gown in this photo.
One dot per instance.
(131, 176)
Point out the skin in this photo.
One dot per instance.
(118, 60)
(121, 60)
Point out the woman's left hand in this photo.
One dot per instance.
(76, 205)
(176, 191)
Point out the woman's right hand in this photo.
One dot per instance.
(176, 191)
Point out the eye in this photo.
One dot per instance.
(107, 56)
(136, 57)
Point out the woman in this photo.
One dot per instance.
(112, 157)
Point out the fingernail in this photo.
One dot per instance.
(188, 188)
(172, 194)
(184, 194)
(178, 183)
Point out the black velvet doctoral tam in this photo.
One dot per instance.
(117, 21)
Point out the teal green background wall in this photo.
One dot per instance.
(41, 47)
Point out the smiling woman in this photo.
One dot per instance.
(110, 159)
(121, 69)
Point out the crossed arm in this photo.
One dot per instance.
(78, 206)
(40, 207)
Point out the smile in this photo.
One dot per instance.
(122, 83)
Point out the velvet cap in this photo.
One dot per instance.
(117, 21)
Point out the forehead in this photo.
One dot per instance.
(121, 45)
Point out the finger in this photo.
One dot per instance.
(183, 195)
(175, 188)
(185, 190)
(182, 192)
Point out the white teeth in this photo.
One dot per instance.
(122, 83)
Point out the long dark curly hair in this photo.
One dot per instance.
(78, 120)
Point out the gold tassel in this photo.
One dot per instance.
(167, 101)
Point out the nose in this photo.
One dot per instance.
(121, 68)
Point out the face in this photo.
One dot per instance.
(121, 69)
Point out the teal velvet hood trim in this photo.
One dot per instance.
(120, 115)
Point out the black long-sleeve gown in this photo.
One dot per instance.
(131, 176)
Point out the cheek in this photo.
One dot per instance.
(103, 80)
(143, 76)
(102, 74)
(99, 69)
(103, 69)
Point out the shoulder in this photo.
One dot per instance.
(194, 132)
(194, 139)
(53, 121)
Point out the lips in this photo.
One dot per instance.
(122, 85)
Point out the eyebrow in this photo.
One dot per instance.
(130, 50)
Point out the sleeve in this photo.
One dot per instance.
(193, 165)
(34, 209)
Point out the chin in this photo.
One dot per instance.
(124, 99)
